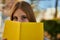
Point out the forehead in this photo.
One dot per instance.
(19, 12)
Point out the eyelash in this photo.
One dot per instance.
(15, 18)
(23, 17)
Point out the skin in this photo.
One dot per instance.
(20, 16)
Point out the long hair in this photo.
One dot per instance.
(26, 7)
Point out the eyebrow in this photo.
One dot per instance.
(14, 17)
(24, 15)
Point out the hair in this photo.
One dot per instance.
(26, 7)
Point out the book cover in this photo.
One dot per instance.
(23, 31)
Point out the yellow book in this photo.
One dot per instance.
(23, 30)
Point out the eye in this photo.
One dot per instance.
(15, 18)
(23, 17)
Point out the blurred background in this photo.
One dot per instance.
(46, 11)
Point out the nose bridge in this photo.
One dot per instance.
(19, 19)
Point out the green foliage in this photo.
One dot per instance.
(52, 26)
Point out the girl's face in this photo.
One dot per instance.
(20, 16)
